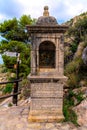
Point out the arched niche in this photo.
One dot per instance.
(47, 51)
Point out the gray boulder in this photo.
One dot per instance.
(84, 56)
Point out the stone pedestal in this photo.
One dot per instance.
(47, 69)
(46, 99)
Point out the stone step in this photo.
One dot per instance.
(46, 118)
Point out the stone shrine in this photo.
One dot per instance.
(47, 66)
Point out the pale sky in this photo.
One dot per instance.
(62, 10)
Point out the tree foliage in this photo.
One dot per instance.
(79, 30)
(16, 40)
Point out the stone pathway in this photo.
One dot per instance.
(16, 118)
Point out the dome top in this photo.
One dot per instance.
(46, 19)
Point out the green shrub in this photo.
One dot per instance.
(70, 67)
(65, 112)
(69, 114)
(10, 105)
(73, 66)
(74, 47)
(73, 80)
(4, 70)
(8, 88)
(68, 103)
(79, 97)
(72, 71)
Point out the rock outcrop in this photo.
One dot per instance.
(81, 111)
(84, 56)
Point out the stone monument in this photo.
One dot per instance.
(47, 66)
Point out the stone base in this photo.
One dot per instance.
(46, 99)
(45, 116)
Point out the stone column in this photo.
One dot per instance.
(61, 56)
(57, 55)
(33, 64)
(37, 52)
(33, 59)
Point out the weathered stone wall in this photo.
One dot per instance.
(46, 102)
(47, 90)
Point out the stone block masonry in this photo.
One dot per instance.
(46, 101)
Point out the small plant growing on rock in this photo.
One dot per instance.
(10, 105)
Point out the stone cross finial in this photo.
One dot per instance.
(46, 12)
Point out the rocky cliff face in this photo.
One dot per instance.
(81, 111)
(84, 56)
(72, 21)
(76, 66)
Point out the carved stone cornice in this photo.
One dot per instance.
(46, 29)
